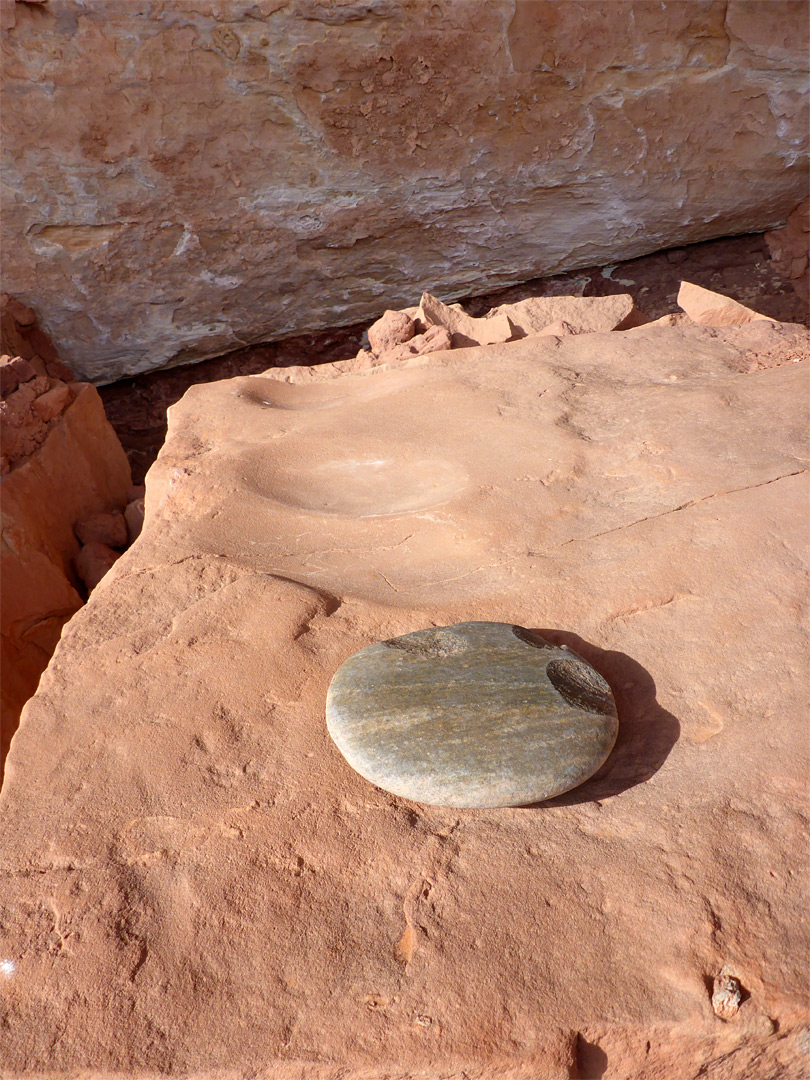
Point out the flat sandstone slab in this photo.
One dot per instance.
(473, 715)
(195, 882)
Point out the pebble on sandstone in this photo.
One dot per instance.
(392, 329)
(473, 715)
(109, 529)
(52, 402)
(93, 562)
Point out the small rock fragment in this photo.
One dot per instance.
(434, 339)
(93, 562)
(726, 994)
(136, 491)
(9, 380)
(13, 371)
(465, 331)
(584, 314)
(707, 308)
(22, 315)
(109, 529)
(52, 402)
(392, 329)
(58, 369)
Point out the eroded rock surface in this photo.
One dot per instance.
(186, 178)
(194, 880)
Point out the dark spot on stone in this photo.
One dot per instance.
(433, 643)
(580, 686)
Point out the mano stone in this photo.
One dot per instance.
(478, 714)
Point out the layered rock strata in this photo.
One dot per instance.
(187, 178)
(194, 880)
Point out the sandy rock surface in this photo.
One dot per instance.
(194, 880)
(186, 177)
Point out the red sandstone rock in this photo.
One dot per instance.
(604, 488)
(78, 468)
(21, 430)
(20, 335)
(434, 339)
(103, 528)
(59, 370)
(136, 491)
(22, 315)
(52, 402)
(464, 330)
(392, 329)
(9, 379)
(584, 314)
(561, 328)
(93, 561)
(709, 308)
(16, 369)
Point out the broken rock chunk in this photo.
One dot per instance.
(584, 314)
(93, 562)
(709, 308)
(110, 529)
(465, 331)
(392, 329)
(434, 339)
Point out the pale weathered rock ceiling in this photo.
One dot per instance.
(187, 177)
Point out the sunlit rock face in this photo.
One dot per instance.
(175, 814)
(185, 178)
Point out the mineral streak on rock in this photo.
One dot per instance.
(469, 716)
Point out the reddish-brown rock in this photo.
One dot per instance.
(185, 178)
(21, 336)
(584, 314)
(79, 467)
(104, 528)
(13, 371)
(52, 401)
(94, 561)
(790, 248)
(389, 331)
(464, 330)
(434, 339)
(561, 328)
(709, 308)
(196, 883)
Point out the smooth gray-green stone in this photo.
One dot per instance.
(472, 715)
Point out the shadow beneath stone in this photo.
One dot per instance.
(647, 732)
